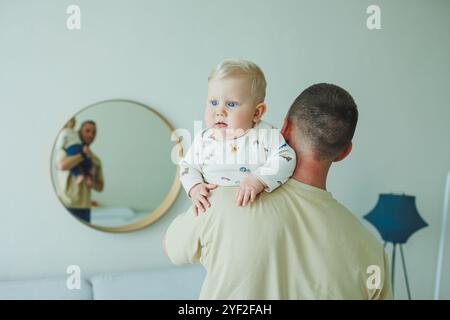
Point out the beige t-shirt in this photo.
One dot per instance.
(71, 194)
(297, 242)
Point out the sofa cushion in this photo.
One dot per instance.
(44, 289)
(169, 283)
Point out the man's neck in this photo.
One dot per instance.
(312, 172)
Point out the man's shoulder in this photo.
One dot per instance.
(332, 213)
(357, 224)
(357, 237)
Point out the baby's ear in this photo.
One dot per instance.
(259, 111)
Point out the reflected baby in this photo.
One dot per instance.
(69, 140)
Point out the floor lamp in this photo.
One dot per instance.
(440, 258)
(396, 218)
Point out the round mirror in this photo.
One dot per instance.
(111, 166)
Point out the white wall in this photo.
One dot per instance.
(160, 53)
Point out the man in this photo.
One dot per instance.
(297, 242)
(75, 196)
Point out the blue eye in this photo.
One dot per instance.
(214, 103)
(232, 104)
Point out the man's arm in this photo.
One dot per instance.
(68, 162)
(384, 292)
(99, 183)
(182, 241)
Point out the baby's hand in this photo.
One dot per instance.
(248, 190)
(199, 194)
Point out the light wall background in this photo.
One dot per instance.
(160, 53)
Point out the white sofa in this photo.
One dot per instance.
(169, 283)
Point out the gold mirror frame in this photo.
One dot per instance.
(167, 201)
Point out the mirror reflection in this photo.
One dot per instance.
(111, 166)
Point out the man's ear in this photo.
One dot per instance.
(285, 130)
(259, 112)
(344, 153)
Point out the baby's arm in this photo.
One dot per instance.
(280, 165)
(192, 178)
(249, 188)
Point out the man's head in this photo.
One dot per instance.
(322, 122)
(88, 131)
(236, 92)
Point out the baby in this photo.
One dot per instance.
(237, 148)
(70, 141)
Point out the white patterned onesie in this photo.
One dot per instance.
(262, 151)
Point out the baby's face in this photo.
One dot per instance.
(230, 107)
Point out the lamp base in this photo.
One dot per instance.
(394, 246)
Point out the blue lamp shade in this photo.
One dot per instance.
(396, 217)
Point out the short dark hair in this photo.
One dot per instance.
(87, 122)
(325, 115)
